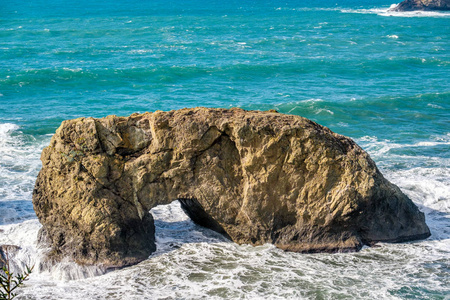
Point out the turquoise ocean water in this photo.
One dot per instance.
(380, 78)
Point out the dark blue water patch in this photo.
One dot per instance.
(16, 211)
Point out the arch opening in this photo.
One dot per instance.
(174, 228)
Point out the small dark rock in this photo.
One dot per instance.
(422, 5)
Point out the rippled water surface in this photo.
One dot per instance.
(381, 78)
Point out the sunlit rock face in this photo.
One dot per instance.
(257, 177)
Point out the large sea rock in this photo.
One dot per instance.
(257, 177)
(426, 5)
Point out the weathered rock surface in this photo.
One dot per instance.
(257, 177)
(427, 5)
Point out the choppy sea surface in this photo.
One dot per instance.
(378, 77)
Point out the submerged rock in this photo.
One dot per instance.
(427, 5)
(257, 177)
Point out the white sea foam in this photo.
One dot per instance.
(292, 106)
(435, 106)
(6, 129)
(430, 187)
(140, 51)
(323, 110)
(386, 12)
(192, 262)
(314, 100)
(19, 165)
(24, 235)
(75, 70)
(380, 147)
(425, 179)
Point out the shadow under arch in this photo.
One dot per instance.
(195, 211)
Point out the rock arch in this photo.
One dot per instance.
(257, 177)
